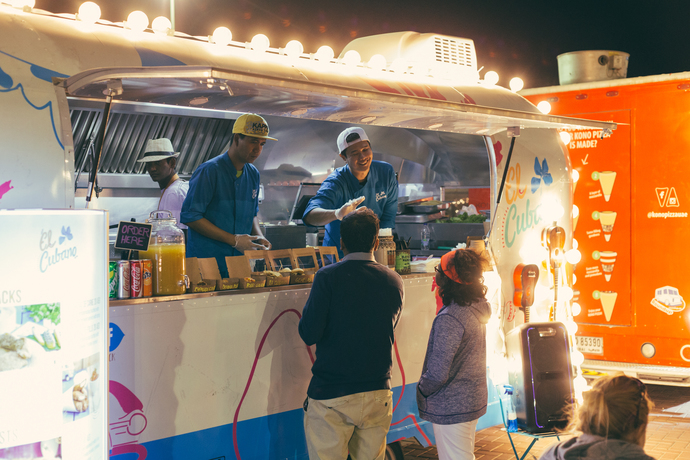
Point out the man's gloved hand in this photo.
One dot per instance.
(348, 207)
(265, 243)
(246, 243)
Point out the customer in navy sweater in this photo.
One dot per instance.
(452, 391)
(351, 313)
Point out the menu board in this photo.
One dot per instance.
(53, 342)
(602, 228)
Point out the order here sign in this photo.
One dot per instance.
(133, 235)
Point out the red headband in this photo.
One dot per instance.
(448, 267)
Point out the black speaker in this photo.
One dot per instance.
(541, 374)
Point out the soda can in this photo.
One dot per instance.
(112, 280)
(135, 287)
(123, 277)
(147, 277)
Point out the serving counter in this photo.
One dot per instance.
(225, 373)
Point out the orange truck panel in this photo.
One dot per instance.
(633, 228)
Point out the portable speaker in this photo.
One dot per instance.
(541, 374)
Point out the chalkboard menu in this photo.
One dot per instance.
(133, 235)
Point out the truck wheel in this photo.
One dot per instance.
(394, 451)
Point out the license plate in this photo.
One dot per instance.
(591, 345)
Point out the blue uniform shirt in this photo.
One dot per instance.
(229, 202)
(380, 190)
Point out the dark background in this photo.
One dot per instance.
(514, 38)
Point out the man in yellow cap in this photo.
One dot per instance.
(223, 199)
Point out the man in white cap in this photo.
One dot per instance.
(223, 200)
(161, 160)
(361, 181)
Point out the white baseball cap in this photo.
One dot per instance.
(342, 137)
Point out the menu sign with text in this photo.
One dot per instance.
(53, 334)
(133, 235)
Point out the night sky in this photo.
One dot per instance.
(514, 38)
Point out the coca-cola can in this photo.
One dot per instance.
(123, 277)
(147, 277)
(135, 287)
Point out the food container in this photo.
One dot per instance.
(167, 253)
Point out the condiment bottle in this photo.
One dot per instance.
(385, 254)
(167, 254)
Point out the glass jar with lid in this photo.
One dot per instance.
(167, 254)
(385, 254)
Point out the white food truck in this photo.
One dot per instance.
(224, 374)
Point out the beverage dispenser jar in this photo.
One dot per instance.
(167, 253)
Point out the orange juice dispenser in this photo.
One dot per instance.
(167, 253)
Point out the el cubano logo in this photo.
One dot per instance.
(668, 300)
(55, 251)
(523, 214)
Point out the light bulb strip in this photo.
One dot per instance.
(393, 70)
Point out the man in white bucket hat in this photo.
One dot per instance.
(223, 202)
(362, 181)
(161, 159)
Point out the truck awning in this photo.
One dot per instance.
(225, 90)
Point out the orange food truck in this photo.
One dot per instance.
(632, 226)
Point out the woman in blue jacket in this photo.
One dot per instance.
(452, 391)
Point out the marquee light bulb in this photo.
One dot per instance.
(352, 57)
(377, 62)
(551, 209)
(294, 48)
(571, 326)
(577, 309)
(161, 25)
(324, 54)
(89, 12)
(516, 84)
(577, 357)
(544, 107)
(573, 256)
(565, 136)
(575, 243)
(260, 43)
(137, 21)
(23, 3)
(580, 383)
(576, 175)
(491, 77)
(222, 36)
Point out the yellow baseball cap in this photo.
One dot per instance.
(253, 125)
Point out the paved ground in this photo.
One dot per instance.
(668, 433)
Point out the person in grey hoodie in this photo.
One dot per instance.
(613, 421)
(452, 391)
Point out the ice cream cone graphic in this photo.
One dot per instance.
(607, 219)
(608, 302)
(576, 216)
(607, 259)
(606, 180)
